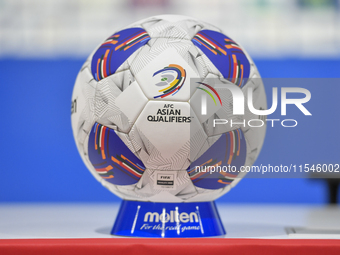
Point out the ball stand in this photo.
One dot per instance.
(164, 220)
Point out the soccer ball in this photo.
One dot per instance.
(138, 117)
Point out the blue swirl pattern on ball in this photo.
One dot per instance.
(221, 163)
(111, 158)
(115, 50)
(225, 54)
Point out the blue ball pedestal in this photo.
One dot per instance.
(164, 220)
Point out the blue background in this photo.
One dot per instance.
(40, 162)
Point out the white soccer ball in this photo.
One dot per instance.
(150, 116)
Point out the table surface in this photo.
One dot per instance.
(35, 221)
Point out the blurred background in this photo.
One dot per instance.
(44, 43)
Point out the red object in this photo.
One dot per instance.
(187, 246)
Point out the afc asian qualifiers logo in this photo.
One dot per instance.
(173, 77)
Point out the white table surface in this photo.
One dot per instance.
(22, 221)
